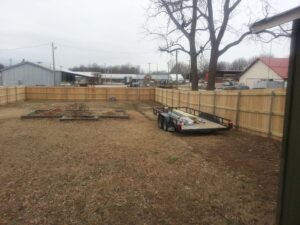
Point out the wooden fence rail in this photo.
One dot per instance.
(90, 93)
(11, 94)
(259, 111)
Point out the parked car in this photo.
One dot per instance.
(231, 85)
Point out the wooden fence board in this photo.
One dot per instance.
(261, 111)
(90, 93)
(11, 94)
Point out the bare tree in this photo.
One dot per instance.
(205, 19)
(218, 27)
(239, 64)
(181, 32)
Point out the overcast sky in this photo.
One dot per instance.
(96, 31)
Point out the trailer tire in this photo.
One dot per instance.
(165, 125)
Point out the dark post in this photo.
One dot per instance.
(289, 190)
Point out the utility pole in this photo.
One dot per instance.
(53, 61)
(190, 70)
(168, 71)
(10, 61)
(176, 68)
(149, 67)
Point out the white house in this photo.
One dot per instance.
(265, 69)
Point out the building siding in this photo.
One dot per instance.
(29, 75)
(259, 71)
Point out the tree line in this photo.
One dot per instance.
(238, 64)
(123, 69)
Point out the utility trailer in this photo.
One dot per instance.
(185, 119)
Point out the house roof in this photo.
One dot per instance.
(278, 65)
(24, 63)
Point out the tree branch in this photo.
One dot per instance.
(239, 40)
(174, 20)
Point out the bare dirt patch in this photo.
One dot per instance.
(130, 172)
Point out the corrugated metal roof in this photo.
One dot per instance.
(58, 69)
(141, 76)
(23, 63)
(121, 76)
(82, 74)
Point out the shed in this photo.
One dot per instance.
(34, 74)
(265, 69)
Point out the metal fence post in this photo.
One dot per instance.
(214, 103)
(179, 102)
(172, 97)
(271, 114)
(6, 90)
(199, 101)
(16, 94)
(188, 99)
(237, 109)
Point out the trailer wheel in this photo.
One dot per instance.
(159, 122)
(165, 125)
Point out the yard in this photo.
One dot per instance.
(117, 171)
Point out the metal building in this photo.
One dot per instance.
(33, 74)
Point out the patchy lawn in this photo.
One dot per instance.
(129, 172)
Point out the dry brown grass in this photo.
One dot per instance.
(130, 172)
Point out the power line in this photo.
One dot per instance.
(150, 51)
(27, 47)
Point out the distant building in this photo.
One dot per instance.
(171, 78)
(34, 74)
(124, 78)
(266, 72)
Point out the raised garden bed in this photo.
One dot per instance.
(76, 112)
(39, 114)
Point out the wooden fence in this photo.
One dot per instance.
(11, 94)
(259, 111)
(90, 93)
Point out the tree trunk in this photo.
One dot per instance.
(194, 69)
(212, 69)
(194, 73)
(193, 51)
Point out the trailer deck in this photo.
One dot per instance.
(184, 119)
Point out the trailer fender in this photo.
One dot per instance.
(164, 120)
(165, 116)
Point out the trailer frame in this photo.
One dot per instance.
(165, 120)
